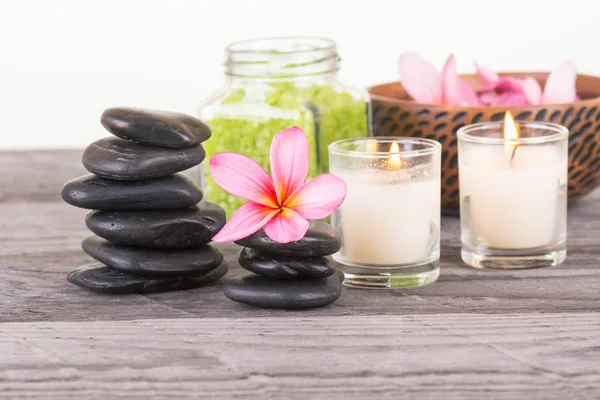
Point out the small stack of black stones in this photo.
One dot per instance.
(152, 228)
(289, 275)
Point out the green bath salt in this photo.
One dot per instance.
(323, 113)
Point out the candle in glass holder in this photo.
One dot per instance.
(390, 219)
(513, 191)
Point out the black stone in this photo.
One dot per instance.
(152, 262)
(166, 229)
(320, 240)
(102, 279)
(96, 193)
(157, 128)
(261, 291)
(121, 159)
(283, 267)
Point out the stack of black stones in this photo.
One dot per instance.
(152, 228)
(291, 275)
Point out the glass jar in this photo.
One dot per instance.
(273, 84)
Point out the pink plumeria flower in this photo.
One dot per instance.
(492, 81)
(282, 204)
(425, 84)
(509, 91)
(500, 91)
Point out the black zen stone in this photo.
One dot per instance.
(99, 278)
(261, 291)
(151, 262)
(96, 193)
(157, 128)
(284, 267)
(166, 229)
(121, 159)
(320, 240)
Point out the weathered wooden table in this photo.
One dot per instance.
(472, 334)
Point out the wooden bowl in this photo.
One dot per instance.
(395, 114)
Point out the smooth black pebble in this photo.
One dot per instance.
(102, 279)
(120, 159)
(166, 229)
(284, 267)
(261, 291)
(320, 240)
(96, 193)
(151, 262)
(157, 128)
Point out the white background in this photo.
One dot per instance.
(63, 61)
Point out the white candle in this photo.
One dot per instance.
(387, 219)
(518, 204)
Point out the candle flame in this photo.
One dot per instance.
(511, 134)
(395, 162)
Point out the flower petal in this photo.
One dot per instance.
(450, 85)
(289, 161)
(487, 98)
(489, 77)
(509, 84)
(243, 177)
(532, 90)
(249, 218)
(421, 80)
(318, 197)
(510, 99)
(468, 95)
(287, 226)
(560, 85)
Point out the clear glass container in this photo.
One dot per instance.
(273, 84)
(513, 195)
(390, 219)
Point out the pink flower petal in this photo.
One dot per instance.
(249, 218)
(318, 197)
(468, 95)
(421, 80)
(450, 85)
(560, 85)
(243, 177)
(489, 77)
(508, 84)
(287, 226)
(510, 99)
(289, 161)
(532, 90)
(487, 98)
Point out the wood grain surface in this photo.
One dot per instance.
(472, 334)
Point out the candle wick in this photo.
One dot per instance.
(514, 151)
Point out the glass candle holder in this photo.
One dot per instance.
(513, 195)
(390, 219)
